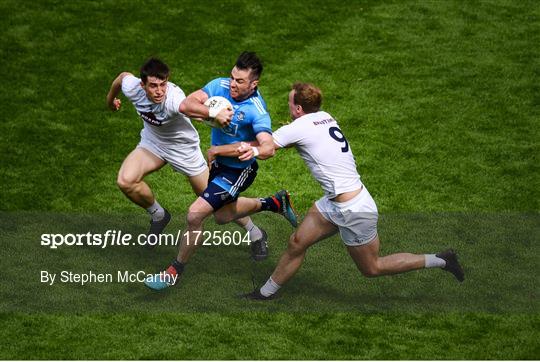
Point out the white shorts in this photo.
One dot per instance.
(356, 219)
(184, 158)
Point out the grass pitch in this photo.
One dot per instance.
(438, 99)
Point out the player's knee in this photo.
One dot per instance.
(194, 217)
(296, 244)
(370, 271)
(124, 183)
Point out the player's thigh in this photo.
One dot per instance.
(139, 163)
(313, 228)
(365, 256)
(199, 182)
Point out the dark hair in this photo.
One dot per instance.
(250, 60)
(308, 96)
(154, 68)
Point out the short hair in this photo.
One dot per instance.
(250, 60)
(154, 68)
(308, 96)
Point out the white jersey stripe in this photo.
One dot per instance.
(262, 107)
(258, 105)
(258, 101)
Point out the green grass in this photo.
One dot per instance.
(440, 101)
(277, 336)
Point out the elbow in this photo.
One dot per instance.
(183, 107)
(267, 153)
(121, 77)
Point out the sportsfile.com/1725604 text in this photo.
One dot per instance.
(120, 238)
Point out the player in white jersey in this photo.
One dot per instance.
(346, 207)
(167, 137)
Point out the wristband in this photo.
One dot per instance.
(255, 151)
(213, 112)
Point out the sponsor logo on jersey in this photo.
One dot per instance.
(150, 117)
(324, 121)
(231, 129)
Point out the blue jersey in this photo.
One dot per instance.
(250, 118)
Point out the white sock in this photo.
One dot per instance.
(269, 288)
(432, 261)
(156, 211)
(254, 232)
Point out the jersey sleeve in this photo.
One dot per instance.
(175, 96)
(261, 119)
(262, 124)
(131, 87)
(287, 135)
(213, 87)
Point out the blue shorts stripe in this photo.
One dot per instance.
(226, 183)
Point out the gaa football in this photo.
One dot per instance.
(215, 105)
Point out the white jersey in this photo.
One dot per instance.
(163, 122)
(325, 151)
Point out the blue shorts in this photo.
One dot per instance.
(226, 183)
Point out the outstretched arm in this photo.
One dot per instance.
(237, 149)
(114, 103)
(264, 150)
(193, 107)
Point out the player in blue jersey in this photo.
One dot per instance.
(230, 175)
